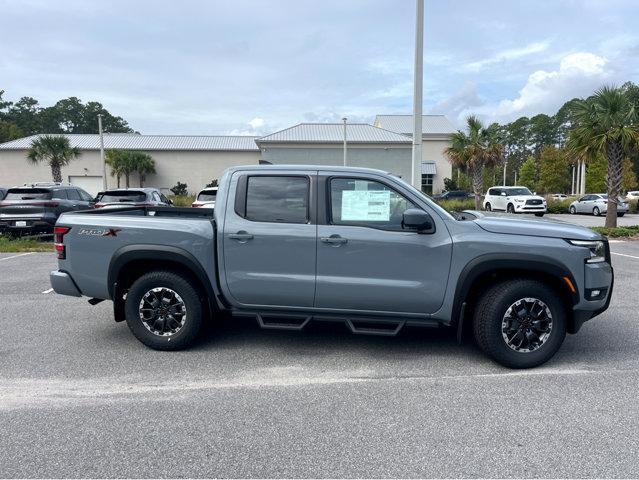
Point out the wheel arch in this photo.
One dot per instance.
(484, 271)
(132, 261)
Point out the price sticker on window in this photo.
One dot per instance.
(366, 206)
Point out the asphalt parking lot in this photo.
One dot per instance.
(591, 221)
(79, 396)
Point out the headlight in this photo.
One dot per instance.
(519, 200)
(596, 247)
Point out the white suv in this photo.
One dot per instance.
(514, 200)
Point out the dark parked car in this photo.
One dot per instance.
(3, 192)
(34, 208)
(453, 195)
(132, 197)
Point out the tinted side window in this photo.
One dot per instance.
(73, 194)
(164, 199)
(277, 199)
(366, 203)
(156, 197)
(60, 194)
(85, 196)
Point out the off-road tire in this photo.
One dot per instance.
(489, 313)
(181, 285)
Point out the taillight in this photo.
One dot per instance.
(58, 235)
(196, 205)
(98, 205)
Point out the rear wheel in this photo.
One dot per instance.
(596, 212)
(520, 323)
(539, 214)
(487, 207)
(621, 214)
(164, 310)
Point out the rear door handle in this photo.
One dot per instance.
(334, 240)
(242, 236)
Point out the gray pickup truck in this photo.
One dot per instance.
(289, 245)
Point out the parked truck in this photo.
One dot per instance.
(289, 245)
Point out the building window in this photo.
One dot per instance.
(427, 184)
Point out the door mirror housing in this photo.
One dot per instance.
(416, 219)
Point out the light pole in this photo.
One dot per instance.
(417, 96)
(104, 178)
(505, 165)
(344, 120)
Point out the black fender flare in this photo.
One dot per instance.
(507, 261)
(129, 253)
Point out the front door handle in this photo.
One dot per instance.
(334, 240)
(242, 236)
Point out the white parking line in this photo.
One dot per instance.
(624, 255)
(48, 291)
(15, 256)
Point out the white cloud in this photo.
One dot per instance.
(507, 55)
(578, 75)
(256, 123)
(458, 106)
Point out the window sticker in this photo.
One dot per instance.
(366, 206)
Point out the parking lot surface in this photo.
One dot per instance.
(591, 221)
(79, 396)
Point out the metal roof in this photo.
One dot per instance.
(431, 124)
(134, 141)
(334, 133)
(429, 168)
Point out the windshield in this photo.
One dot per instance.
(518, 191)
(207, 196)
(126, 196)
(28, 194)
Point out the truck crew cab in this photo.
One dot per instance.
(293, 244)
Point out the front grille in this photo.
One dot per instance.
(533, 202)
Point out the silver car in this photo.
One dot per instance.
(596, 204)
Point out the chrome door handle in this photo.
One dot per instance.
(242, 236)
(334, 240)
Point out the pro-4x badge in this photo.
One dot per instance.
(100, 232)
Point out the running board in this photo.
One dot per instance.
(389, 328)
(283, 322)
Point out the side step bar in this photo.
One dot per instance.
(283, 322)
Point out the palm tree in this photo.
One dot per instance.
(54, 150)
(606, 124)
(114, 160)
(144, 165)
(475, 150)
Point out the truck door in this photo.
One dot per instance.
(269, 238)
(366, 261)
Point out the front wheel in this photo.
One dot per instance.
(510, 208)
(621, 214)
(572, 210)
(520, 323)
(539, 214)
(164, 310)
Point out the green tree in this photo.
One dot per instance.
(9, 131)
(554, 170)
(475, 150)
(629, 181)
(528, 174)
(596, 172)
(143, 164)
(55, 150)
(607, 124)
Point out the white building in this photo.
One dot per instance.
(196, 160)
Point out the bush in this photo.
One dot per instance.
(212, 183)
(559, 206)
(457, 205)
(180, 189)
(182, 200)
(618, 231)
(24, 244)
(634, 206)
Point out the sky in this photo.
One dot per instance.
(252, 67)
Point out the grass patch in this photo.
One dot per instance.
(618, 232)
(182, 200)
(25, 244)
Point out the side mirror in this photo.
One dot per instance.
(415, 219)
(170, 201)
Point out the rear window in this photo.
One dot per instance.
(207, 196)
(28, 194)
(126, 196)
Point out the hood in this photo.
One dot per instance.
(538, 227)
